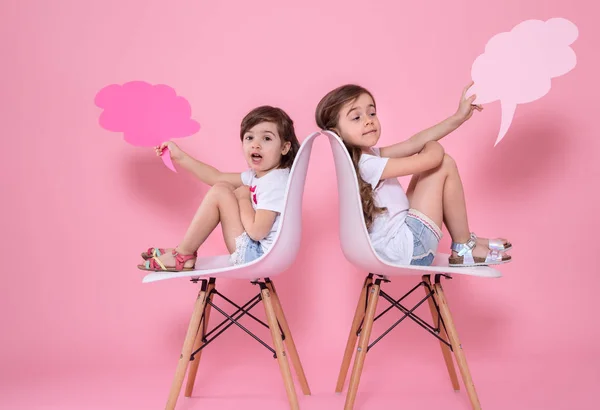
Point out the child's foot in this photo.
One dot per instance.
(476, 253)
(158, 251)
(480, 250)
(172, 261)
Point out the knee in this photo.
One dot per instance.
(224, 185)
(221, 188)
(434, 146)
(448, 162)
(434, 152)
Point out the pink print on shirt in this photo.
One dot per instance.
(252, 189)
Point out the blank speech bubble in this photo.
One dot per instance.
(517, 66)
(146, 114)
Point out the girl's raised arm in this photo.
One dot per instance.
(416, 143)
(430, 157)
(204, 172)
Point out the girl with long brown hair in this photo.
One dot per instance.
(405, 227)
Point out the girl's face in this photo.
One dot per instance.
(263, 148)
(358, 123)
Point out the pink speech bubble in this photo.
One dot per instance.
(146, 114)
(517, 66)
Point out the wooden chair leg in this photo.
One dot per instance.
(284, 366)
(461, 360)
(446, 352)
(359, 315)
(289, 341)
(193, 370)
(363, 343)
(186, 351)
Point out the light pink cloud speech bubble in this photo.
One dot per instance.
(146, 114)
(517, 66)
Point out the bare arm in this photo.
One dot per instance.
(257, 224)
(208, 174)
(430, 157)
(204, 172)
(417, 142)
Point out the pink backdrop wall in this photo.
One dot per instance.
(79, 330)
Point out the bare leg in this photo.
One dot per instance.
(456, 214)
(426, 194)
(454, 204)
(439, 194)
(222, 207)
(412, 185)
(219, 205)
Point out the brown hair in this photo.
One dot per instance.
(327, 116)
(285, 129)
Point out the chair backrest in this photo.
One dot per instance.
(287, 242)
(354, 236)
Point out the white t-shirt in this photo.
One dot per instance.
(268, 192)
(390, 236)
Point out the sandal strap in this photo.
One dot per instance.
(496, 244)
(494, 255)
(493, 244)
(155, 263)
(463, 248)
(155, 251)
(180, 259)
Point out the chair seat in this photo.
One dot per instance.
(214, 267)
(440, 265)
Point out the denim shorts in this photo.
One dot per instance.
(426, 236)
(246, 250)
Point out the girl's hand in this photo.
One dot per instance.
(242, 192)
(466, 106)
(176, 153)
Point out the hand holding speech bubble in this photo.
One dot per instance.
(517, 66)
(146, 114)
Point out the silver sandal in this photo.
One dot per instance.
(465, 254)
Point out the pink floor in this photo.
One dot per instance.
(240, 374)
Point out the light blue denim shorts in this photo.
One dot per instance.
(426, 236)
(246, 250)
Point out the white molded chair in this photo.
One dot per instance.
(279, 258)
(357, 249)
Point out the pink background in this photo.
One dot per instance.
(80, 331)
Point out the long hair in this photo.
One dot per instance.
(285, 128)
(327, 116)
